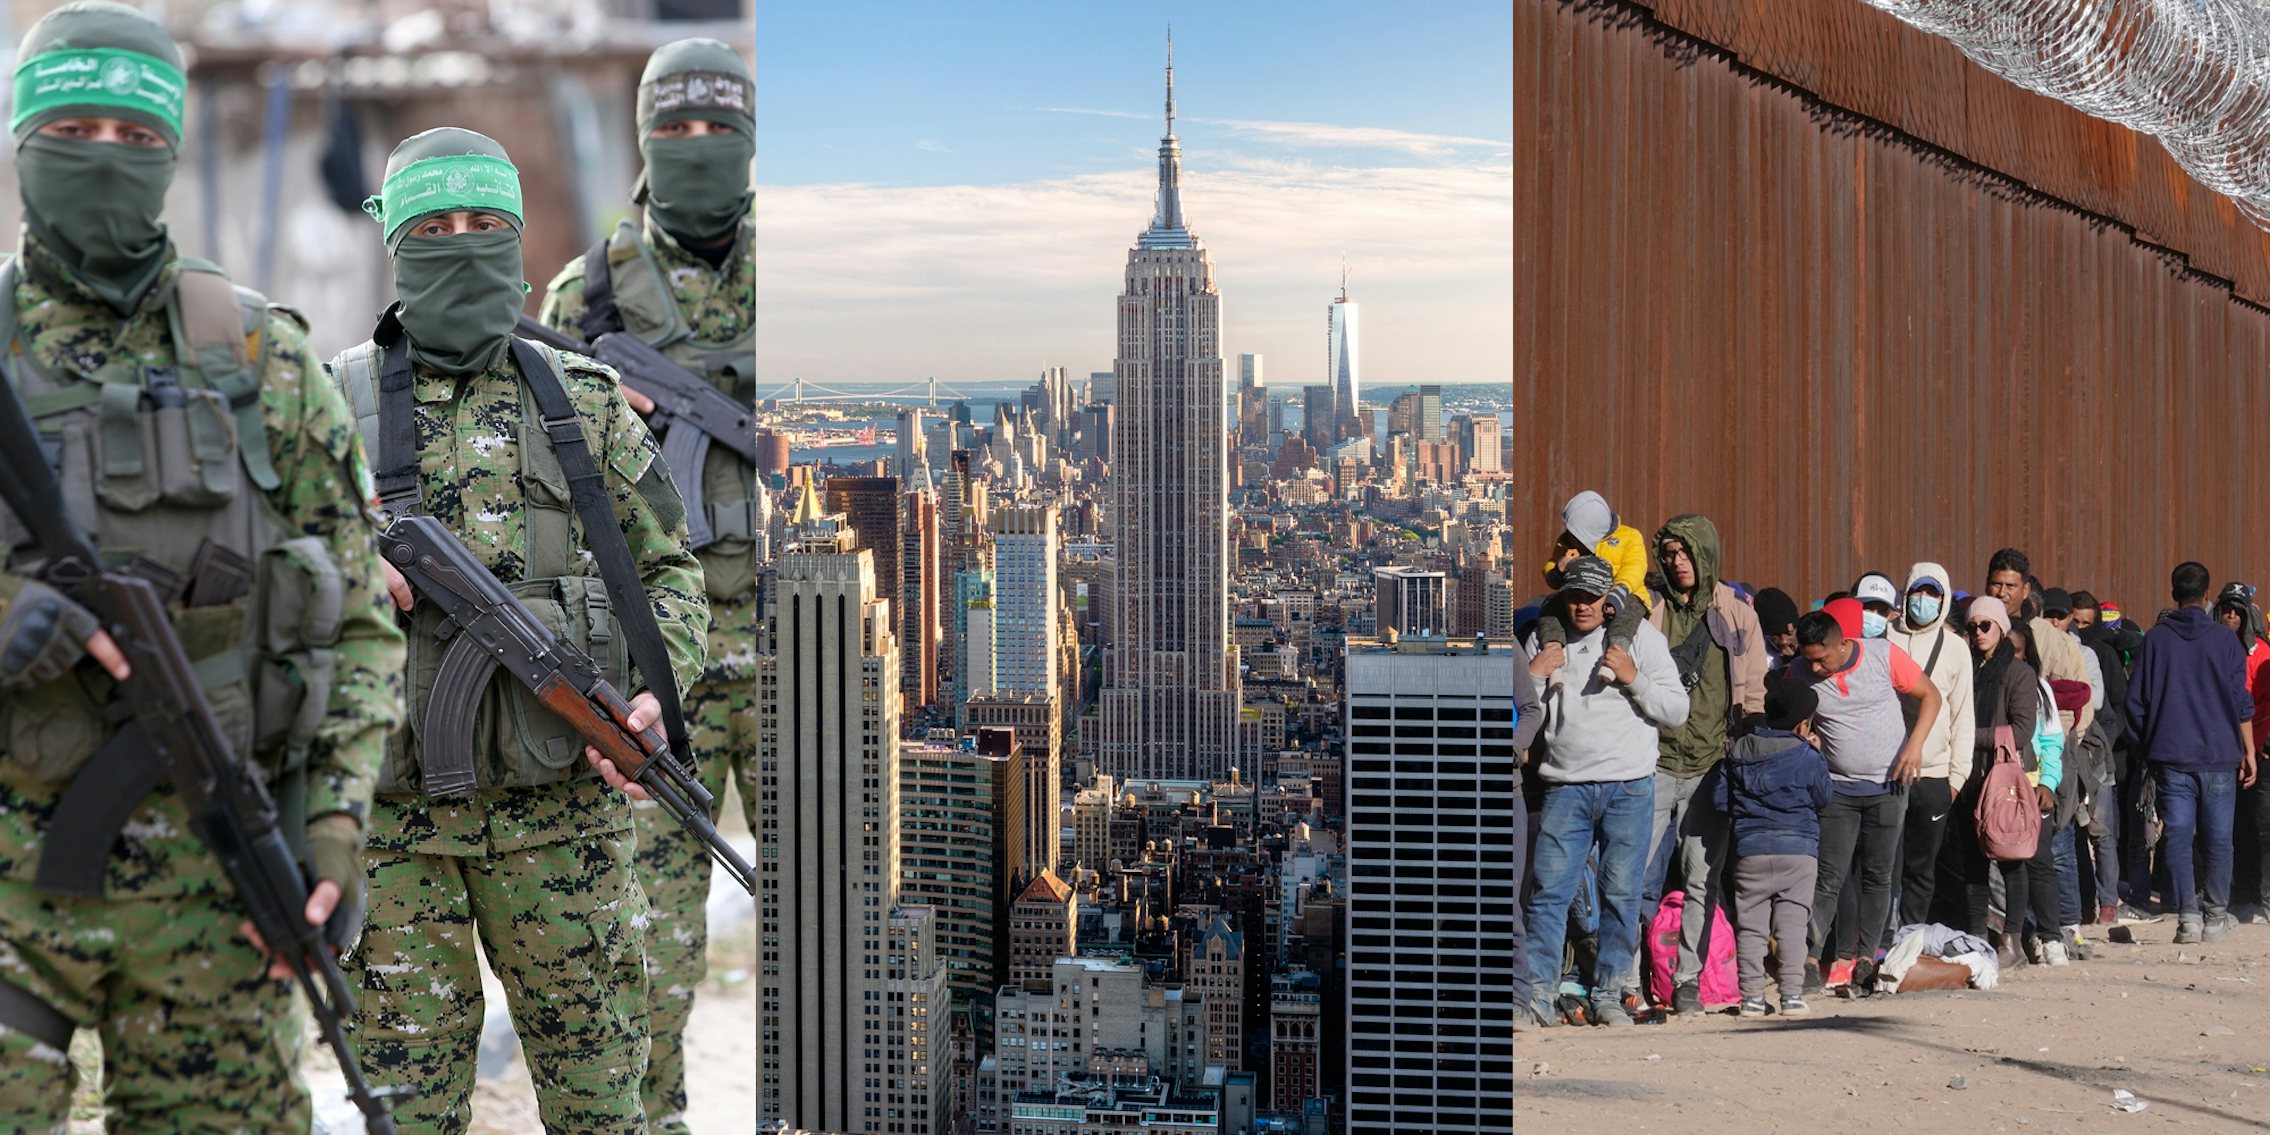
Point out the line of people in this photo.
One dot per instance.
(2014, 765)
(204, 448)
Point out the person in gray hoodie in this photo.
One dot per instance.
(1602, 719)
(1920, 629)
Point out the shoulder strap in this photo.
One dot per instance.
(600, 314)
(1938, 643)
(211, 336)
(397, 475)
(539, 368)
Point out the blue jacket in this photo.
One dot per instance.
(1772, 787)
(2187, 694)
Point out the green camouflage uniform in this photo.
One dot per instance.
(541, 874)
(194, 1037)
(721, 709)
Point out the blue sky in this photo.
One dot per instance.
(951, 188)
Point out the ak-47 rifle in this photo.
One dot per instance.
(491, 629)
(689, 414)
(229, 806)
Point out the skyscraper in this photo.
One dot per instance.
(1431, 799)
(1024, 601)
(829, 856)
(1340, 362)
(1170, 697)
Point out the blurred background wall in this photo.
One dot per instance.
(294, 105)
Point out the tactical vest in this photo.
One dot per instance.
(625, 290)
(154, 464)
(520, 742)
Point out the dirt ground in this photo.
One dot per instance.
(2186, 1029)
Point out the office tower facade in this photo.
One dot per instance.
(1411, 601)
(1431, 800)
(1320, 423)
(951, 815)
(1295, 1010)
(1430, 414)
(913, 444)
(1170, 695)
(1478, 439)
(1217, 972)
(1034, 721)
(828, 750)
(1043, 926)
(1024, 600)
(871, 505)
(1090, 1013)
(913, 1093)
(1340, 365)
(919, 600)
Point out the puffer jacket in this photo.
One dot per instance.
(1947, 748)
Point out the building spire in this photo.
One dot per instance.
(1166, 229)
(1343, 277)
(1170, 80)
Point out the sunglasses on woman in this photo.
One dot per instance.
(1982, 627)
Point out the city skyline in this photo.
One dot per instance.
(965, 217)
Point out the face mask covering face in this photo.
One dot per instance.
(1922, 609)
(698, 188)
(96, 205)
(461, 296)
(1873, 625)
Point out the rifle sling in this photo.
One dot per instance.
(600, 315)
(603, 535)
(23, 1011)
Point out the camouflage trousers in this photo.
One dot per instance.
(195, 1038)
(674, 867)
(560, 924)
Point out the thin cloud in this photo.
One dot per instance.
(930, 147)
(973, 283)
(1325, 134)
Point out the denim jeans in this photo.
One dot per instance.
(1612, 817)
(2068, 876)
(2203, 805)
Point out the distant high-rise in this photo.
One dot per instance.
(1320, 422)
(1430, 762)
(1024, 600)
(955, 804)
(1411, 601)
(1340, 362)
(1170, 698)
(921, 584)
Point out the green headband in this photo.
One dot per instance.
(99, 77)
(477, 182)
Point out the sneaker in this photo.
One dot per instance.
(1863, 983)
(1840, 973)
(2131, 913)
(2189, 930)
(2035, 955)
(1752, 1007)
(1688, 999)
(2250, 913)
(2108, 914)
(1611, 1013)
(2077, 947)
(1530, 1018)
(2217, 924)
(1794, 1007)
(1813, 982)
(2053, 953)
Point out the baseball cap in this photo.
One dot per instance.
(2235, 593)
(1875, 587)
(2055, 601)
(1588, 574)
(2109, 614)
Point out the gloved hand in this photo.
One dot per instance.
(42, 634)
(335, 852)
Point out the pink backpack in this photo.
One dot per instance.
(2009, 818)
(1720, 985)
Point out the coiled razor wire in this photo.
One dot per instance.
(2194, 74)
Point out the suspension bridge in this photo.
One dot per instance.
(798, 390)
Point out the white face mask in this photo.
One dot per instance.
(1922, 610)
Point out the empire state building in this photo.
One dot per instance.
(1170, 697)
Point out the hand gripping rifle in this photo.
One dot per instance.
(493, 630)
(689, 413)
(229, 806)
